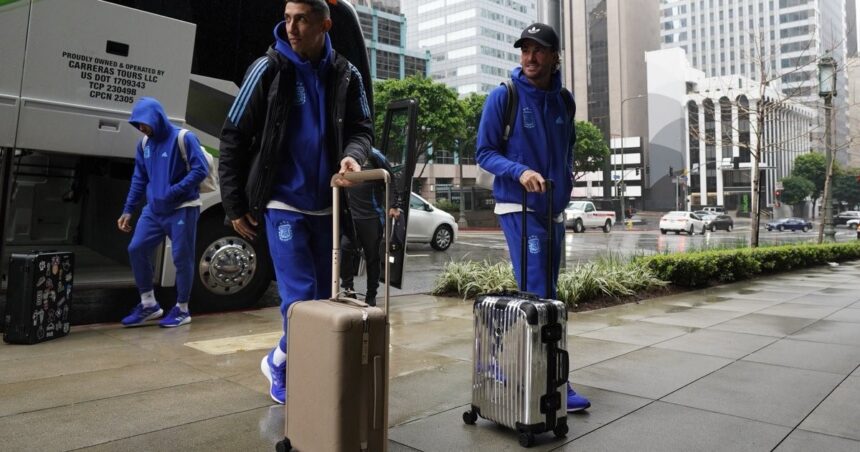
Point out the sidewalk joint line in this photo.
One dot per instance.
(815, 408)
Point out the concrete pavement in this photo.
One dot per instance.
(770, 364)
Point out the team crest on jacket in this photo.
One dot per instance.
(559, 121)
(301, 94)
(534, 244)
(146, 152)
(285, 231)
(528, 118)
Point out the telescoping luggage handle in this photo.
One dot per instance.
(524, 244)
(361, 177)
(558, 365)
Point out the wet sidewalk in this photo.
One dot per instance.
(755, 366)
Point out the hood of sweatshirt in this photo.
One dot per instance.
(282, 45)
(150, 112)
(525, 87)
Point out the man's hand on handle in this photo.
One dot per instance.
(124, 222)
(533, 181)
(347, 165)
(246, 226)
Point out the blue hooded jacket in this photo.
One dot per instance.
(540, 140)
(159, 169)
(305, 173)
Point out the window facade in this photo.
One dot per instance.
(694, 136)
(383, 29)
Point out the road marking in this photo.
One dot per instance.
(418, 255)
(228, 345)
(482, 245)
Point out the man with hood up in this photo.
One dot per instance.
(172, 192)
(300, 117)
(540, 147)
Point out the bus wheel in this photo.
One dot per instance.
(231, 272)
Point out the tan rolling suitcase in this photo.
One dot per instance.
(337, 363)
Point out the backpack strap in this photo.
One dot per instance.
(510, 109)
(569, 102)
(183, 152)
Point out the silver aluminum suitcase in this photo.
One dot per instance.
(520, 361)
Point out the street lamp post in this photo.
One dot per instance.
(621, 184)
(461, 222)
(827, 90)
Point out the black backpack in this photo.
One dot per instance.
(511, 108)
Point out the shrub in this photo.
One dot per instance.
(718, 266)
(470, 278)
(584, 282)
(447, 205)
(617, 277)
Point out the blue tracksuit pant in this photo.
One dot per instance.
(181, 227)
(300, 246)
(536, 246)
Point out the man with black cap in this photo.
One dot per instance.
(539, 147)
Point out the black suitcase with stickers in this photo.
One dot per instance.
(38, 297)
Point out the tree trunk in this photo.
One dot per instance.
(754, 208)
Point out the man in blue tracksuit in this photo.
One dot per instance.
(540, 147)
(172, 192)
(300, 117)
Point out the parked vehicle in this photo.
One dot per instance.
(582, 214)
(789, 224)
(682, 221)
(714, 209)
(844, 217)
(67, 148)
(713, 222)
(853, 224)
(428, 224)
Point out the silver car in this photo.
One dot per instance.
(428, 224)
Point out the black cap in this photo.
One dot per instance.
(543, 34)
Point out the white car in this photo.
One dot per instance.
(428, 224)
(682, 221)
(852, 224)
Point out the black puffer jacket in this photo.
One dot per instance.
(255, 131)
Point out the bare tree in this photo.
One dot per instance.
(769, 99)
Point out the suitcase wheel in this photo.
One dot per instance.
(284, 445)
(527, 439)
(560, 430)
(469, 417)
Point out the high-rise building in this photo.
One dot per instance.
(471, 42)
(604, 44)
(384, 29)
(851, 27)
(853, 73)
(778, 41)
